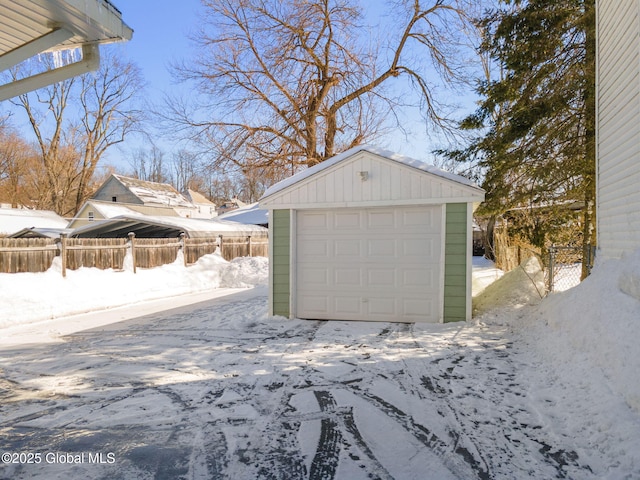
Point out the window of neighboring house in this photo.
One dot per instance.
(90, 215)
(114, 199)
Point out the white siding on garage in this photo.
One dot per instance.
(374, 264)
(387, 182)
(618, 127)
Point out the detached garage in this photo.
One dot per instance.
(374, 236)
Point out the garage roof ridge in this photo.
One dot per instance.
(386, 154)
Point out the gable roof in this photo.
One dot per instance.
(456, 185)
(197, 198)
(152, 192)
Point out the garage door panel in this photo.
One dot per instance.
(413, 307)
(313, 247)
(315, 305)
(347, 248)
(316, 277)
(348, 277)
(346, 306)
(418, 218)
(314, 221)
(419, 249)
(381, 219)
(347, 220)
(423, 279)
(382, 247)
(382, 277)
(378, 264)
(382, 306)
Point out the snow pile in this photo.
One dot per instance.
(600, 321)
(521, 286)
(33, 297)
(484, 274)
(246, 272)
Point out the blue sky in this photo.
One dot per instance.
(161, 30)
(161, 36)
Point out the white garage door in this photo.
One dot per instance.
(378, 264)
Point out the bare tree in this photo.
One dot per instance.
(72, 145)
(108, 114)
(186, 171)
(289, 83)
(148, 164)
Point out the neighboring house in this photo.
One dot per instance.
(121, 189)
(618, 127)
(96, 210)
(230, 205)
(249, 215)
(13, 220)
(371, 235)
(120, 195)
(206, 208)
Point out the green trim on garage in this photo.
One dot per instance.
(455, 263)
(281, 261)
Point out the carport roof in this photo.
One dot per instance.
(148, 226)
(31, 27)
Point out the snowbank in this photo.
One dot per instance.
(590, 331)
(600, 321)
(521, 286)
(33, 297)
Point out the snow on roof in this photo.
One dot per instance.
(161, 225)
(153, 192)
(110, 209)
(249, 215)
(408, 161)
(197, 198)
(15, 219)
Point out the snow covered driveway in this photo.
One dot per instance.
(218, 390)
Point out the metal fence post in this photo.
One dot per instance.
(132, 242)
(552, 258)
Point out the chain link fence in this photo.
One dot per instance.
(564, 267)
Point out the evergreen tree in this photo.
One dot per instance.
(538, 140)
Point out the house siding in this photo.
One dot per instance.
(281, 263)
(387, 183)
(113, 188)
(618, 117)
(455, 263)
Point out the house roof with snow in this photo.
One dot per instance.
(13, 220)
(249, 215)
(121, 189)
(197, 198)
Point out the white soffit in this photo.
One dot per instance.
(30, 27)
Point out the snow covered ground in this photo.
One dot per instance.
(533, 388)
